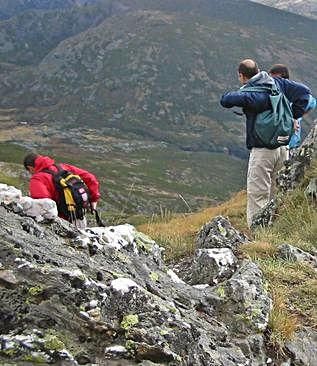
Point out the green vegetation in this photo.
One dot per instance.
(154, 276)
(35, 291)
(140, 111)
(161, 84)
(53, 343)
(36, 38)
(34, 359)
(34, 294)
(11, 153)
(10, 181)
(129, 321)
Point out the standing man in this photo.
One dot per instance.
(281, 71)
(43, 185)
(263, 162)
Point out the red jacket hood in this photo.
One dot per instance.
(42, 162)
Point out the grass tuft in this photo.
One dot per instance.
(282, 324)
(259, 250)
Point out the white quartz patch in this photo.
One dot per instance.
(116, 349)
(123, 285)
(224, 257)
(9, 194)
(43, 208)
(114, 236)
(174, 277)
(201, 286)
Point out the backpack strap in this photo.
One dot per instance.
(49, 171)
(261, 89)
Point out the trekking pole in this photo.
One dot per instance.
(99, 221)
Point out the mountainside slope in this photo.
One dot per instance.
(153, 73)
(124, 85)
(9, 8)
(29, 36)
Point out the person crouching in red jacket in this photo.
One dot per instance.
(42, 182)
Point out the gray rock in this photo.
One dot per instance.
(291, 253)
(8, 279)
(219, 233)
(243, 302)
(253, 347)
(116, 299)
(265, 217)
(292, 173)
(311, 190)
(211, 265)
(287, 363)
(303, 348)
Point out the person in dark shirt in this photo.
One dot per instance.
(263, 162)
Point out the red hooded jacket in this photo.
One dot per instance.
(42, 184)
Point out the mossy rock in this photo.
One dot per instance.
(53, 343)
(129, 321)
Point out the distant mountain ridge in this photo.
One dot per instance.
(303, 7)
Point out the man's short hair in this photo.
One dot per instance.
(29, 160)
(279, 70)
(248, 68)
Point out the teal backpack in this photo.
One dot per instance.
(273, 127)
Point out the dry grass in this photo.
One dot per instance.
(177, 234)
(282, 324)
(293, 287)
(259, 250)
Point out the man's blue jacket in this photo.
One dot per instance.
(253, 103)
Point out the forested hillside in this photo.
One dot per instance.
(129, 79)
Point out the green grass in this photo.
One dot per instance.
(148, 180)
(10, 181)
(12, 153)
(296, 221)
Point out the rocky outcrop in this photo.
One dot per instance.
(293, 172)
(103, 294)
(40, 209)
(235, 294)
(219, 233)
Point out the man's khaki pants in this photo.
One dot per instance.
(261, 181)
